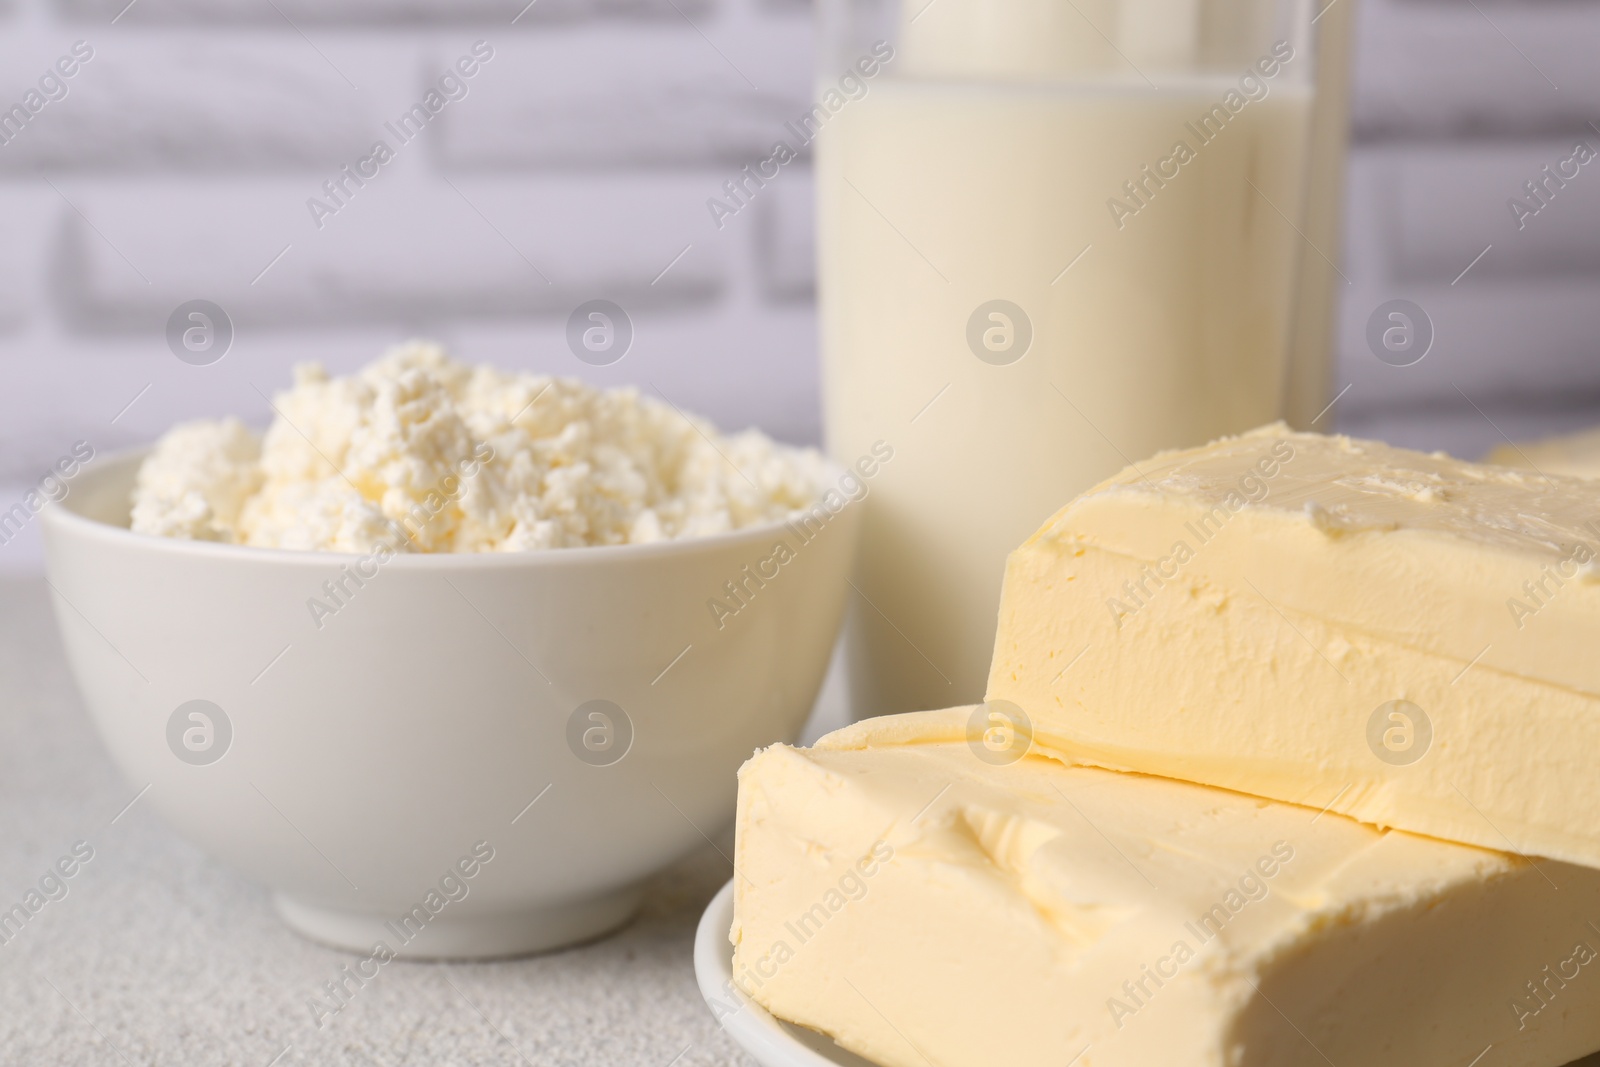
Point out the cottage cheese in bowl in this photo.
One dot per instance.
(357, 606)
(419, 453)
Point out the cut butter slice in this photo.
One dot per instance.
(1407, 639)
(929, 908)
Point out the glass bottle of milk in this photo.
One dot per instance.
(1055, 237)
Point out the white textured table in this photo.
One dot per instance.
(159, 955)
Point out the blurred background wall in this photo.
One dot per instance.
(575, 163)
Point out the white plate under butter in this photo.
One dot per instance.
(769, 1041)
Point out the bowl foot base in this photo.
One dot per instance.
(471, 936)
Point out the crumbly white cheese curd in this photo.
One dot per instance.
(417, 452)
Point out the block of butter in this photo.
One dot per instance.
(927, 901)
(1576, 454)
(1407, 639)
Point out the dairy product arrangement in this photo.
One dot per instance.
(1287, 757)
(1183, 737)
(420, 453)
(1287, 747)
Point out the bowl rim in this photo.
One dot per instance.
(58, 518)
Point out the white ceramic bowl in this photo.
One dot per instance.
(355, 766)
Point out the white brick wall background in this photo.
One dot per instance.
(578, 165)
(1456, 105)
